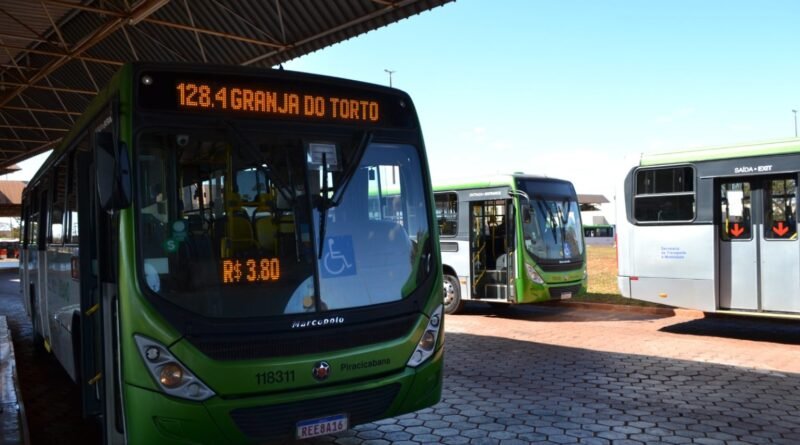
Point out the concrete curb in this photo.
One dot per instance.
(670, 312)
(14, 428)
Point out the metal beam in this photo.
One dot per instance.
(40, 110)
(92, 39)
(29, 127)
(7, 35)
(32, 152)
(49, 88)
(25, 141)
(59, 54)
(167, 24)
(370, 16)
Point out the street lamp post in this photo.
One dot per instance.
(390, 72)
(795, 122)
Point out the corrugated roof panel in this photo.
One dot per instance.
(99, 36)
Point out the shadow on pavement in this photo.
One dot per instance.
(552, 312)
(740, 328)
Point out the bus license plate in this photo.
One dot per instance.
(321, 426)
(566, 295)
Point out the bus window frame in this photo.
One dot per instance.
(457, 213)
(634, 195)
(62, 163)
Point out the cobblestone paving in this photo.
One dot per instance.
(501, 390)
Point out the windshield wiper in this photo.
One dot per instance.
(564, 218)
(352, 166)
(550, 216)
(326, 203)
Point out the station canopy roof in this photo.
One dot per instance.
(55, 55)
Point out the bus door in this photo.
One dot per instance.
(759, 254)
(89, 354)
(490, 248)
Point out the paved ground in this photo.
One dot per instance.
(548, 375)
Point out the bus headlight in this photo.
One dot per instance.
(171, 375)
(533, 275)
(427, 343)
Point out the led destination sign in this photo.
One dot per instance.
(273, 96)
(223, 97)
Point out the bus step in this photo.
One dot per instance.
(495, 292)
(499, 276)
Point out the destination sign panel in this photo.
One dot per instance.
(334, 101)
(203, 96)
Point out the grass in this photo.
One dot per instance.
(602, 265)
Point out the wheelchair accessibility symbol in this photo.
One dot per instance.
(338, 259)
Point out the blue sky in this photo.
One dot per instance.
(569, 88)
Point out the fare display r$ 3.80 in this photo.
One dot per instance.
(250, 270)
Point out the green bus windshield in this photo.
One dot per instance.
(551, 220)
(230, 221)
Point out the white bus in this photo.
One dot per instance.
(713, 229)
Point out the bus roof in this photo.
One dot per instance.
(489, 181)
(776, 147)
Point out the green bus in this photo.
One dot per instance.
(200, 255)
(510, 239)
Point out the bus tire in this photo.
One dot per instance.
(452, 295)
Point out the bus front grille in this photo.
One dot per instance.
(313, 341)
(279, 421)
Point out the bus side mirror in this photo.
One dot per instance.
(112, 170)
(526, 215)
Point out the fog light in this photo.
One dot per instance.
(171, 375)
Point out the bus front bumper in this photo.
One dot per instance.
(154, 418)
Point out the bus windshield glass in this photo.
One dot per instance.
(551, 220)
(237, 223)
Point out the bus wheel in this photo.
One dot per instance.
(452, 295)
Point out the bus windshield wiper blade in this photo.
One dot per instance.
(550, 216)
(326, 203)
(352, 166)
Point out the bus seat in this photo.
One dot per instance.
(238, 231)
(267, 233)
(265, 224)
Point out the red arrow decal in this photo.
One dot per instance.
(781, 229)
(736, 230)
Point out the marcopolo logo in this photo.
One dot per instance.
(330, 321)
